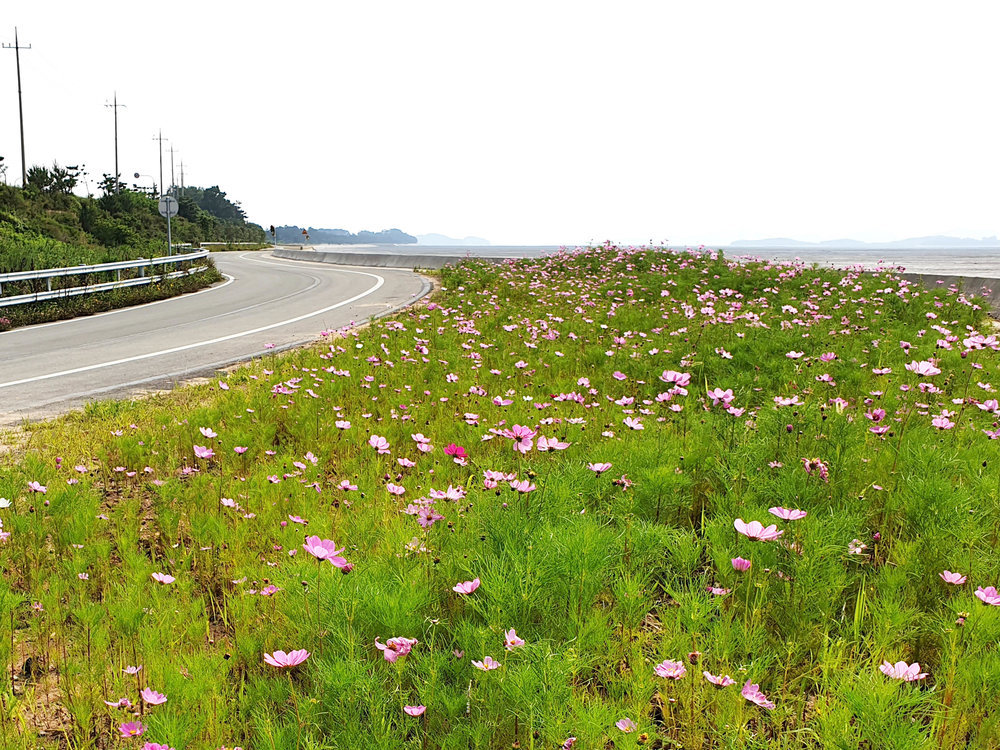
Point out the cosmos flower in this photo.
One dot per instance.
(466, 587)
(132, 728)
(673, 670)
(787, 514)
(719, 680)
(753, 694)
(393, 648)
(902, 671)
(414, 710)
(740, 564)
(511, 640)
(152, 698)
(324, 549)
(282, 660)
(486, 664)
(755, 530)
(162, 578)
(988, 595)
(954, 578)
(626, 725)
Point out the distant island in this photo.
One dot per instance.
(443, 239)
(913, 242)
(293, 235)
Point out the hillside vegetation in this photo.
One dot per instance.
(617, 497)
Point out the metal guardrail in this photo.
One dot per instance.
(50, 273)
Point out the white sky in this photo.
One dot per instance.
(534, 122)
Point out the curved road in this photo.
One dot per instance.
(51, 368)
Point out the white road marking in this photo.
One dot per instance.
(229, 280)
(124, 360)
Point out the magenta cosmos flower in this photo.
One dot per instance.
(393, 648)
(132, 728)
(152, 697)
(466, 587)
(719, 680)
(988, 595)
(753, 694)
(902, 671)
(162, 578)
(755, 530)
(324, 549)
(414, 710)
(787, 514)
(282, 660)
(948, 577)
(740, 564)
(673, 670)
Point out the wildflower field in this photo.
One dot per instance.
(616, 497)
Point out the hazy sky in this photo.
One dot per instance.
(534, 122)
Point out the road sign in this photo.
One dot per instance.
(168, 206)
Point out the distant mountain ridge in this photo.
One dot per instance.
(913, 242)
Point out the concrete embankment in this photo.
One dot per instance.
(987, 289)
(386, 259)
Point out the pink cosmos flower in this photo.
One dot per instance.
(523, 487)
(599, 468)
(988, 595)
(395, 489)
(156, 746)
(753, 694)
(719, 680)
(342, 424)
(755, 530)
(718, 395)
(550, 444)
(414, 710)
(673, 670)
(324, 549)
(162, 578)
(511, 641)
(466, 587)
(152, 697)
(522, 436)
(208, 432)
(626, 725)
(740, 564)
(120, 703)
(346, 486)
(379, 443)
(902, 671)
(132, 670)
(787, 514)
(633, 424)
(36, 487)
(132, 728)
(955, 578)
(203, 452)
(282, 660)
(924, 368)
(681, 379)
(794, 354)
(486, 664)
(393, 648)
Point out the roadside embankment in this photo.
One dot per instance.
(988, 289)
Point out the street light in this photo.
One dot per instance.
(151, 179)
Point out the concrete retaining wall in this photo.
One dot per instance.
(375, 260)
(988, 289)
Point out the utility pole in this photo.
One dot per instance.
(20, 107)
(159, 138)
(182, 177)
(115, 107)
(173, 182)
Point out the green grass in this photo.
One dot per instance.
(603, 575)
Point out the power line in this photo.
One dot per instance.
(20, 107)
(115, 107)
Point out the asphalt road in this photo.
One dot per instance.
(52, 368)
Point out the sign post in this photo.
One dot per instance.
(168, 207)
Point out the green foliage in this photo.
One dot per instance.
(603, 574)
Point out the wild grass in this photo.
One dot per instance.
(626, 356)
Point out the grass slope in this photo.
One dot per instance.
(673, 394)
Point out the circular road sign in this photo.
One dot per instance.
(168, 206)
